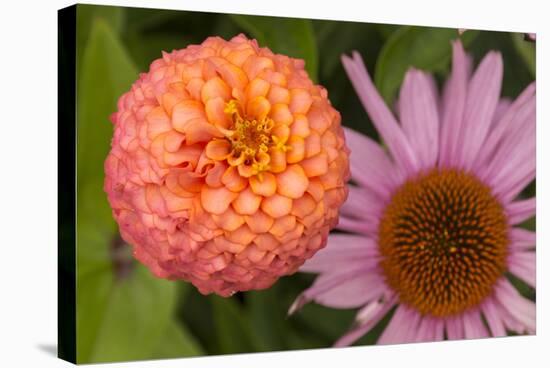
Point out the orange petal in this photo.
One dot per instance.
(258, 87)
(215, 114)
(256, 64)
(303, 206)
(258, 108)
(283, 225)
(233, 75)
(266, 242)
(265, 187)
(297, 149)
(316, 165)
(199, 130)
(316, 189)
(157, 122)
(278, 160)
(173, 141)
(186, 155)
(332, 178)
(247, 203)
(278, 94)
(224, 245)
(236, 160)
(282, 132)
(232, 180)
(292, 182)
(242, 235)
(191, 182)
(175, 203)
(216, 200)
(318, 117)
(300, 126)
(312, 144)
(215, 88)
(214, 175)
(238, 57)
(277, 206)
(185, 111)
(259, 222)
(155, 200)
(218, 149)
(169, 100)
(254, 254)
(246, 171)
(190, 71)
(194, 88)
(281, 114)
(273, 77)
(229, 220)
(300, 101)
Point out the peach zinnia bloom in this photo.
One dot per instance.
(432, 224)
(227, 166)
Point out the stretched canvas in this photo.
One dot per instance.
(234, 183)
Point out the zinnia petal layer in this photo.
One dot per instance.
(227, 166)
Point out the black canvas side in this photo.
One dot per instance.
(66, 201)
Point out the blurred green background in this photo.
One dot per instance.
(123, 312)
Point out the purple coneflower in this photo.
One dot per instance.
(431, 224)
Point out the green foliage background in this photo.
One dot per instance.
(123, 312)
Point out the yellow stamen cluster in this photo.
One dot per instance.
(443, 240)
(251, 140)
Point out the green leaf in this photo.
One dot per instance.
(85, 17)
(117, 319)
(107, 71)
(526, 50)
(343, 37)
(145, 48)
(233, 327)
(289, 36)
(421, 47)
(266, 315)
(137, 313)
(176, 342)
(326, 322)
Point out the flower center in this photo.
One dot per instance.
(250, 139)
(443, 240)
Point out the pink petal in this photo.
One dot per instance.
(352, 293)
(342, 250)
(370, 165)
(481, 102)
(426, 329)
(454, 328)
(473, 325)
(381, 116)
(376, 315)
(521, 239)
(490, 311)
(419, 116)
(454, 100)
(357, 226)
(522, 264)
(402, 327)
(361, 211)
(347, 288)
(439, 330)
(502, 107)
(503, 124)
(519, 308)
(521, 210)
(512, 165)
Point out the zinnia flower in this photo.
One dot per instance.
(227, 166)
(431, 224)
